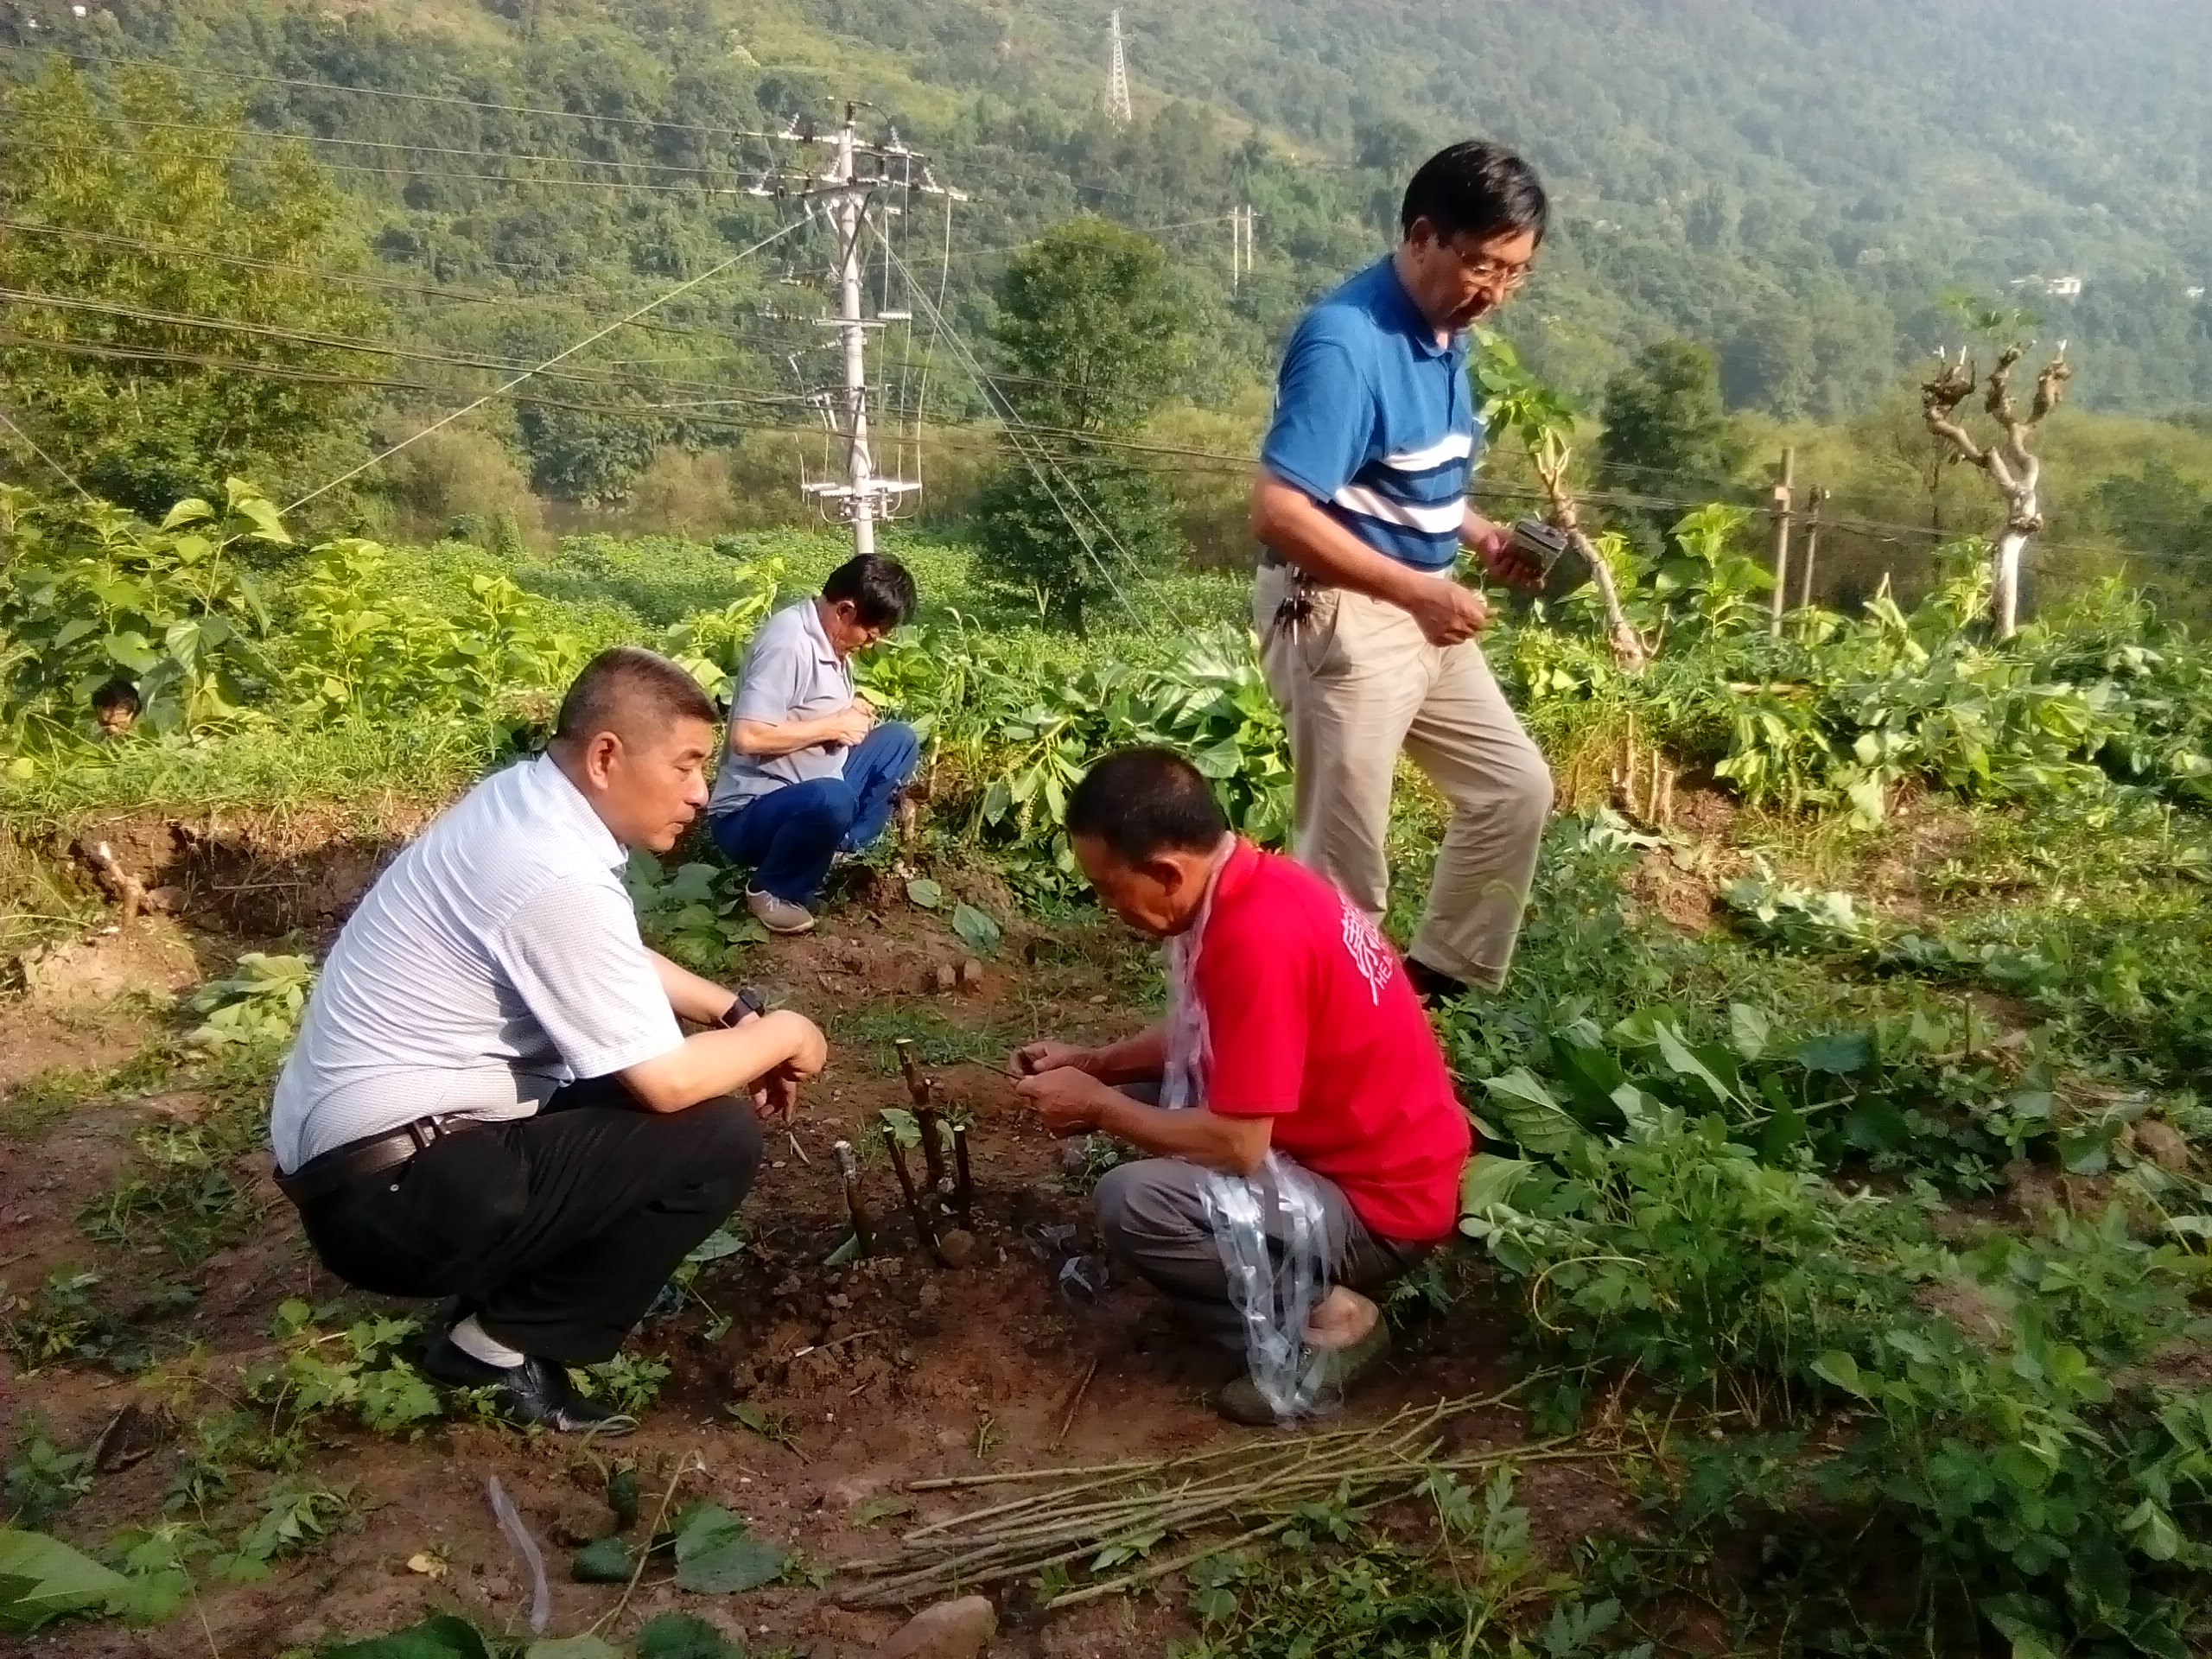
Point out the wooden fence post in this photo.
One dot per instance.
(1782, 539)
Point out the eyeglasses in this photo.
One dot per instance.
(1496, 273)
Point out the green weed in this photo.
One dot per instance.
(629, 1382)
(44, 1479)
(63, 1321)
(1348, 1588)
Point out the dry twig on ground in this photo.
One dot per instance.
(1123, 1511)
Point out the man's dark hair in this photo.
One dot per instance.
(881, 589)
(1476, 189)
(629, 690)
(1141, 802)
(118, 693)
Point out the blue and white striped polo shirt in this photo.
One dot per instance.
(1376, 422)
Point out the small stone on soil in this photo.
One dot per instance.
(951, 1629)
(2162, 1143)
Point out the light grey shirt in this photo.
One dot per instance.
(498, 958)
(790, 673)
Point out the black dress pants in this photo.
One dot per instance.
(556, 1231)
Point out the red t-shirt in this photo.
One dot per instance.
(1311, 1021)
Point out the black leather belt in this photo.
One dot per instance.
(329, 1172)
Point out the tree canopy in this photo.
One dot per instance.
(1095, 338)
(1663, 415)
(128, 218)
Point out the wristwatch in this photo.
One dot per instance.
(749, 1003)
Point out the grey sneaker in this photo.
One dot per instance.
(778, 915)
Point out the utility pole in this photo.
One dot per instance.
(1782, 540)
(848, 210)
(1812, 549)
(1117, 75)
(1240, 244)
(852, 203)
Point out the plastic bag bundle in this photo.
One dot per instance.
(510, 1520)
(1275, 1298)
(1275, 1286)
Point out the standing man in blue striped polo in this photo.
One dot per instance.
(1368, 641)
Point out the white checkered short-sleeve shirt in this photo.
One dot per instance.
(498, 958)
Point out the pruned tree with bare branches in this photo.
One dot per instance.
(1551, 455)
(2013, 467)
(1519, 402)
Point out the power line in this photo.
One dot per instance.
(380, 92)
(1037, 463)
(389, 143)
(216, 257)
(969, 164)
(288, 371)
(465, 295)
(1874, 529)
(1142, 230)
(68, 477)
(1010, 418)
(481, 178)
(328, 342)
(593, 339)
(954, 441)
(238, 365)
(358, 279)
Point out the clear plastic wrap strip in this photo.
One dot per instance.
(1274, 1297)
(510, 1520)
(1274, 1300)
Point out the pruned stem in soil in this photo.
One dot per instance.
(915, 1210)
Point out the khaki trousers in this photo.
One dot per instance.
(1356, 683)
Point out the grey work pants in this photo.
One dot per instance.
(1357, 682)
(1153, 1215)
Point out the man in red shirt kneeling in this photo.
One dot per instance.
(1295, 1031)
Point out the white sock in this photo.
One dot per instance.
(473, 1340)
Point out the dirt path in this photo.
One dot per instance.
(881, 1373)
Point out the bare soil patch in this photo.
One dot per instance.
(881, 1372)
(261, 874)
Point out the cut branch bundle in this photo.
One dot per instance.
(1121, 1512)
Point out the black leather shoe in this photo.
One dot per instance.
(1433, 986)
(537, 1392)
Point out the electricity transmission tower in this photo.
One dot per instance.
(1117, 75)
(863, 186)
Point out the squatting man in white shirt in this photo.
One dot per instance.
(492, 1099)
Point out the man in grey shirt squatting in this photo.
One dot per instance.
(809, 774)
(491, 1098)
(1367, 639)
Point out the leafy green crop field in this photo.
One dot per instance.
(1841, 1216)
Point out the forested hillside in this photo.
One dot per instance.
(1794, 186)
(1792, 182)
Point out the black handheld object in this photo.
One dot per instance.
(1564, 569)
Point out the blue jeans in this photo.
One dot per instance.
(788, 836)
